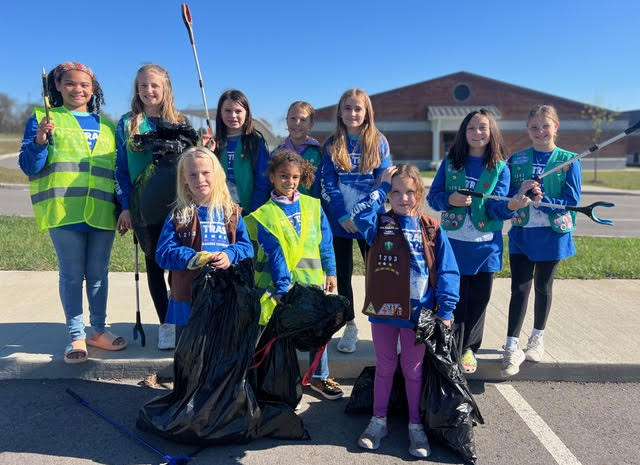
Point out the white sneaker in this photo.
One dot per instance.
(348, 340)
(511, 361)
(418, 442)
(535, 348)
(375, 431)
(167, 336)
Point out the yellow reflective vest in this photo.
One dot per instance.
(302, 253)
(76, 184)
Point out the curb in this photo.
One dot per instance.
(4, 185)
(342, 366)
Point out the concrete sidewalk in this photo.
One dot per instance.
(592, 333)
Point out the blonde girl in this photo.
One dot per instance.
(152, 106)
(205, 226)
(353, 159)
(539, 237)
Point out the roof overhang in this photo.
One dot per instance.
(458, 112)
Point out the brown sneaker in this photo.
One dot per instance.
(329, 388)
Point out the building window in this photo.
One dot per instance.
(461, 92)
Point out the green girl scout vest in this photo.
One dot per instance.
(137, 161)
(522, 169)
(302, 253)
(453, 218)
(242, 171)
(76, 184)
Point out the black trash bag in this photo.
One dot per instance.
(447, 407)
(154, 190)
(305, 320)
(361, 400)
(211, 401)
(278, 377)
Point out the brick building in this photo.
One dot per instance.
(420, 120)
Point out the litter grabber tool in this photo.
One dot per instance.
(181, 460)
(47, 104)
(188, 22)
(586, 210)
(137, 329)
(590, 150)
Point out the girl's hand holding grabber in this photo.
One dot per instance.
(44, 131)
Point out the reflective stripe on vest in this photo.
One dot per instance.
(76, 184)
(302, 253)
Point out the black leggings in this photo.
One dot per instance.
(523, 271)
(155, 277)
(475, 292)
(343, 248)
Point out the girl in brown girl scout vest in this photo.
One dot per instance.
(410, 266)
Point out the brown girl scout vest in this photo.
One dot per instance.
(387, 283)
(191, 236)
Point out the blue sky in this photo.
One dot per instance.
(281, 51)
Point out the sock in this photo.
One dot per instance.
(512, 343)
(537, 332)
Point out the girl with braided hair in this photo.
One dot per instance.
(72, 192)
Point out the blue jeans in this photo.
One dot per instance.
(322, 371)
(83, 256)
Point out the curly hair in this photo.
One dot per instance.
(93, 106)
(287, 156)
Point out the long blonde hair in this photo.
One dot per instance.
(185, 205)
(167, 107)
(370, 155)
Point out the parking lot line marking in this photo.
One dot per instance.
(561, 454)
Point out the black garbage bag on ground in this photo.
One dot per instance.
(212, 402)
(361, 399)
(447, 408)
(154, 190)
(305, 320)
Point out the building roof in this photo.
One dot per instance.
(459, 111)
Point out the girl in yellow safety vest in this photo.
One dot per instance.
(70, 160)
(296, 246)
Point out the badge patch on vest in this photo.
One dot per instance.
(388, 246)
(390, 310)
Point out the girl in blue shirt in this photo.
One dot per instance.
(242, 151)
(287, 170)
(81, 240)
(152, 104)
(353, 158)
(403, 185)
(204, 214)
(475, 162)
(539, 237)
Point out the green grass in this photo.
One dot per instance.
(9, 146)
(597, 258)
(25, 248)
(428, 174)
(12, 176)
(626, 179)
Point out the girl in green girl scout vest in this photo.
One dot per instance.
(72, 191)
(474, 225)
(152, 108)
(539, 237)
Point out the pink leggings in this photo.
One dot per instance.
(385, 339)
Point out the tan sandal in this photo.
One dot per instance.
(78, 346)
(106, 341)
